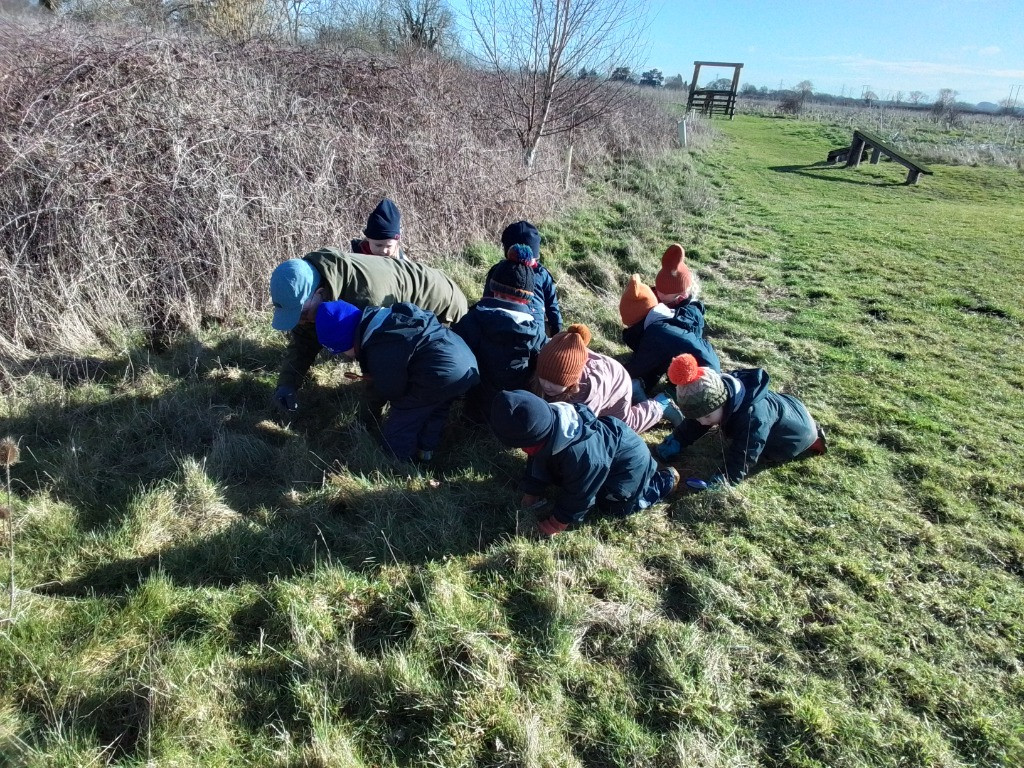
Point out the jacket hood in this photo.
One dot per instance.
(516, 314)
(745, 387)
(569, 423)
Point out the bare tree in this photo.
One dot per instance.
(806, 88)
(424, 23)
(535, 47)
(916, 97)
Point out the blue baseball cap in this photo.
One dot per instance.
(291, 285)
(336, 324)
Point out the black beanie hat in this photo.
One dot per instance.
(521, 419)
(512, 278)
(521, 233)
(385, 223)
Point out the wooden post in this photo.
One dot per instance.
(693, 85)
(856, 149)
(875, 155)
(682, 132)
(568, 169)
(913, 176)
(735, 86)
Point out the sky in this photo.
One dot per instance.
(844, 47)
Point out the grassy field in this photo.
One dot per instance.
(200, 584)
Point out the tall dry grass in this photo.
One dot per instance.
(151, 183)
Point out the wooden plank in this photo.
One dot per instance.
(856, 148)
(875, 155)
(891, 152)
(718, 64)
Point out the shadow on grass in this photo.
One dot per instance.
(135, 426)
(828, 172)
(389, 525)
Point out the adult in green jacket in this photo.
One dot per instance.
(298, 286)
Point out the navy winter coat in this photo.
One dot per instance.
(505, 338)
(411, 359)
(593, 461)
(544, 304)
(759, 424)
(664, 338)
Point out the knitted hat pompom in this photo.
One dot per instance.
(521, 253)
(580, 330)
(683, 369)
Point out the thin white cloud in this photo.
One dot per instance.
(991, 50)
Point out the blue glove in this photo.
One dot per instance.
(284, 398)
(668, 448)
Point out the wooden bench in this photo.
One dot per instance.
(839, 154)
(862, 141)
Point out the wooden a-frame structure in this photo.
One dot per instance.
(710, 101)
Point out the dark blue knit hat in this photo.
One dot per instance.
(336, 324)
(521, 233)
(521, 419)
(385, 223)
(512, 278)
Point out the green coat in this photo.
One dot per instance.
(369, 281)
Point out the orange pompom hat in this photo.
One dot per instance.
(674, 276)
(637, 300)
(561, 360)
(699, 391)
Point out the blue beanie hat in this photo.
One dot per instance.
(291, 284)
(336, 324)
(521, 419)
(521, 233)
(385, 223)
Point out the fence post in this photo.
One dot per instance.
(682, 132)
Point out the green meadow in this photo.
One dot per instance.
(201, 583)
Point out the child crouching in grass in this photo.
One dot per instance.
(521, 242)
(595, 462)
(410, 360)
(569, 372)
(760, 425)
(503, 335)
(664, 322)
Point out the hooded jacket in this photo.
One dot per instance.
(758, 423)
(369, 281)
(593, 461)
(410, 358)
(662, 335)
(505, 338)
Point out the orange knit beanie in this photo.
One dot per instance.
(637, 300)
(561, 360)
(674, 276)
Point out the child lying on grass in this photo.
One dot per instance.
(664, 322)
(593, 461)
(569, 372)
(760, 425)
